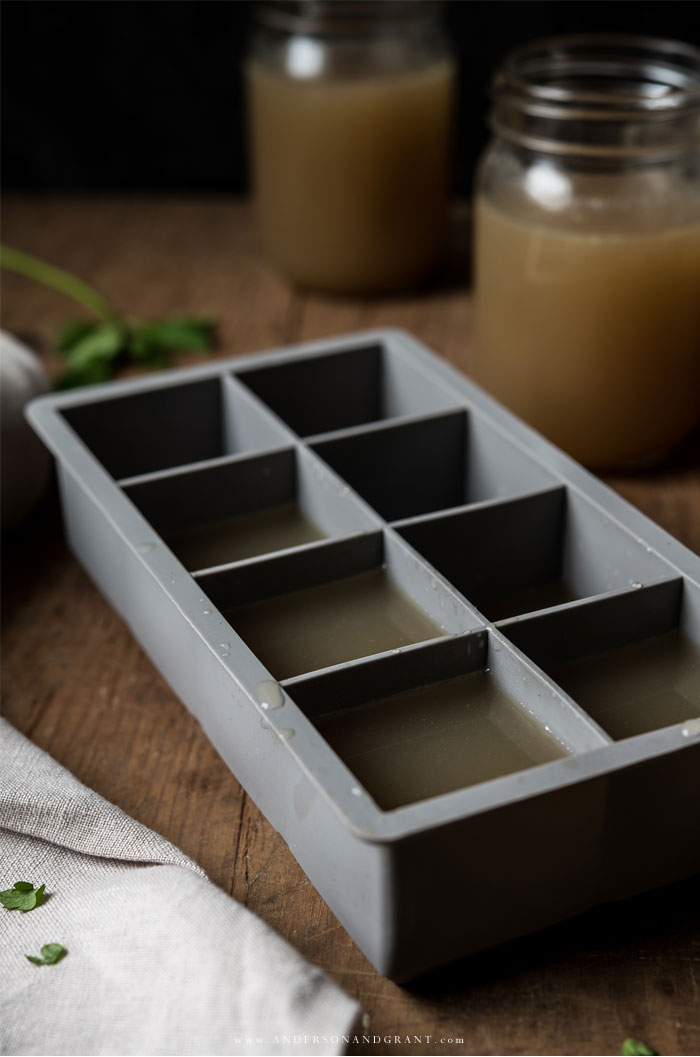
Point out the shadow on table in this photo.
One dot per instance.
(30, 551)
(607, 938)
(683, 459)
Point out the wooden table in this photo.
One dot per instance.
(77, 683)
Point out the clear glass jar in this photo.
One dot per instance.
(350, 108)
(587, 245)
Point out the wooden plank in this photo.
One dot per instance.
(78, 684)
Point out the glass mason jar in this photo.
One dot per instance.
(587, 245)
(350, 107)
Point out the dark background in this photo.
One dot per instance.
(147, 94)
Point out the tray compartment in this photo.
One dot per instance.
(317, 394)
(441, 717)
(631, 661)
(425, 465)
(243, 507)
(531, 553)
(145, 431)
(327, 605)
(648, 806)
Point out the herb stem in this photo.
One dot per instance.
(32, 268)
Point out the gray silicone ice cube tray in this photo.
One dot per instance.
(522, 561)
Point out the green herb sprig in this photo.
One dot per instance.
(94, 350)
(50, 954)
(23, 896)
(635, 1048)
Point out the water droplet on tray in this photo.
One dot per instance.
(286, 733)
(356, 791)
(206, 612)
(269, 694)
(635, 583)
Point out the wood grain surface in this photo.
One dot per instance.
(77, 683)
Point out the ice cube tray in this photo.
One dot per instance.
(438, 543)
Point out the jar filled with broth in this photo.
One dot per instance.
(587, 245)
(350, 107)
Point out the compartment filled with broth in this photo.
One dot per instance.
(442, 716)
(321, 606)
(334, 622)
(437, 739)
(631, 661)
(238, 508)
(244, 536)
(534, 552)
(639, 687)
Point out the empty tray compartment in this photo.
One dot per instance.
(434, 463)
(532, 553)
(316, 394)
(327, 605)
(632, 661)
(439, 718)
(245, 507)
(141, 432)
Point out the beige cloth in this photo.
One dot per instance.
(159, 961)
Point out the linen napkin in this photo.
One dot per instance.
(159, 960)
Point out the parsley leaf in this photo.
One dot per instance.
(635, 1048)
(50, 954)
(70, 334)
(100, 344)
(95, 350)
(151, 340)
(23, 896)
(90, 354)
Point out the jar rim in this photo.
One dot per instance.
(536, 70)
(600, 95)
